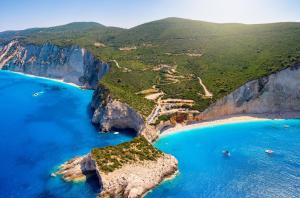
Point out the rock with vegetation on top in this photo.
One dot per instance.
(109, 113)
(129, 169)
(276, 93)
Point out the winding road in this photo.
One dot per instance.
(207, 94)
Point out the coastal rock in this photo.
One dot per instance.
(276, 93)
(77, 169)
(113, 114)
(129, 169)
(136, 180)
(151, 133)
(71, 64)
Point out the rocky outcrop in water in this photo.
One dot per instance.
(276, 93)
(136, 180)
(70, 64)
(129, 169)
(77, 169)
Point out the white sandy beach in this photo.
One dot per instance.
(46, 78)
(179, 128)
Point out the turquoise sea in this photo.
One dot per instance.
(44, 123)
(248, 172)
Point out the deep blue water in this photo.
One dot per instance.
(249, 172)
(38, 133)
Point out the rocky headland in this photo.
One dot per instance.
(278, 93)
(276, 96)
(70, 64)
(130, 169)
(74, 64)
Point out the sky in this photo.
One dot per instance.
(22, 14)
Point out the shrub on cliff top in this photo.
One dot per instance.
(111, 158)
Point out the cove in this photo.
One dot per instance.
(249, 172)
(43, 123)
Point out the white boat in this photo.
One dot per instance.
(269, 151)
(37, 93)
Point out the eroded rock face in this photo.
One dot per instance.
(130, 181)
(77, 169)
(110, 113)
(134, 180)
(70, 64)
(76, 65)
(279, 92)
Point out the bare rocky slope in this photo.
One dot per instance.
(133, 180)
(70, 64)
(276, 93)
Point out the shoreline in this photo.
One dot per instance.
(230, 119)
(45, 78)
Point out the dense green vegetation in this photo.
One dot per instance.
(232, 54)
(111, 158)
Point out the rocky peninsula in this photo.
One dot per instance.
(277, 93)
(130, 169)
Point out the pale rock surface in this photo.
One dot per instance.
(135, 180)
(76, 169)
(276, 93)
(130, 181)
(109, 114)
(71, 64)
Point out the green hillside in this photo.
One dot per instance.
(224, 56)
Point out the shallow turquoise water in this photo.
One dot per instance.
(38, 133)
(249, 172)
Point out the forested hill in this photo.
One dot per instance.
(182, 59)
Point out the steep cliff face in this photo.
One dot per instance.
(70, 64)
(135, 180)
(110, 113)
(132, 180)
(76, 65)
(277, 93)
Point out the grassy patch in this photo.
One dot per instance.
(111, 158)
